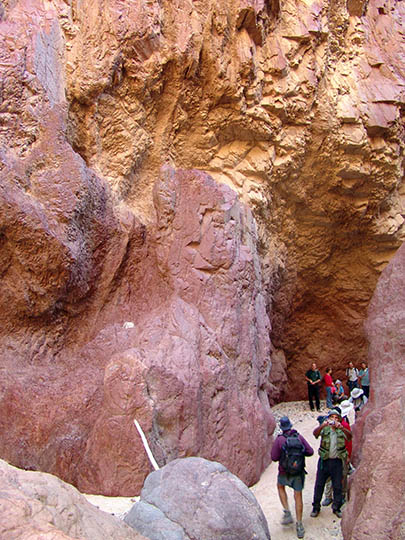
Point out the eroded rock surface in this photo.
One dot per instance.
(296, 105)
(175, 335)
(38, 505)
(109, 281)
(194, 368)
(193, 498)
(376, 507)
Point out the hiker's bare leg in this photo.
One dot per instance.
(283, 496)
(298, 504)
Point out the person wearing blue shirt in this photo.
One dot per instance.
(364, 379)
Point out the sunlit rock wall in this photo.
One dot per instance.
(297, 105)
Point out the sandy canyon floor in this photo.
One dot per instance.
(325, 527)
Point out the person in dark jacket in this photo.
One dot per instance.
(296, 482)
(313, 378)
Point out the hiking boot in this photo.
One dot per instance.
(326, 501)
(287, 518)
(337, 513)
(300, 529)
(315, 513)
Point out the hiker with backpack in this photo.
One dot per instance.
(332, 457)
(290, 449)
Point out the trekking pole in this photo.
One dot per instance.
(146, 445)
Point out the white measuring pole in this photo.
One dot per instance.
(146, 445)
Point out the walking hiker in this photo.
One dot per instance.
(313, 378)
(332, 454)
(352, 377)
(290, 449)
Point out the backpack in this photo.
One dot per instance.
(292, 457)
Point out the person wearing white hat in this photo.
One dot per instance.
(347, 410)
(358, 399)
(339, 394)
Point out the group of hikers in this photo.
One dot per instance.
(358, 385)
(290, 448)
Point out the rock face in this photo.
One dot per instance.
(122, 296)
(193, 498)
(200, 388)
(183, 347)
(296, 105)
(376, 507)
(38, 505)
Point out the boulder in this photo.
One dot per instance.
(376, 506)
(39, 505)
(197, 499)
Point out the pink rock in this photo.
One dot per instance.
(112, 320)
(38, 505)
(375, 509)
(175, 334)
(380, 117)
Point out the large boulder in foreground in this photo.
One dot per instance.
(196, 499)
(39, 505)
(377, 507)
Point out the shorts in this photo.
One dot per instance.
(296, 482)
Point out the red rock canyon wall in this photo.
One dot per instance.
(128, 290)
(376, 507)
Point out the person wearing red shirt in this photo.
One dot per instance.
(329, 387)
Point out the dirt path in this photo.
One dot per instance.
(325, 527)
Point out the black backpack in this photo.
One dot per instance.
(292, 457)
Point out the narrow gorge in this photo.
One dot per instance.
(198, 199)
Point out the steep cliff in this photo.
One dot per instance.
(376, 506)
(295, 105)
(120, 280)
